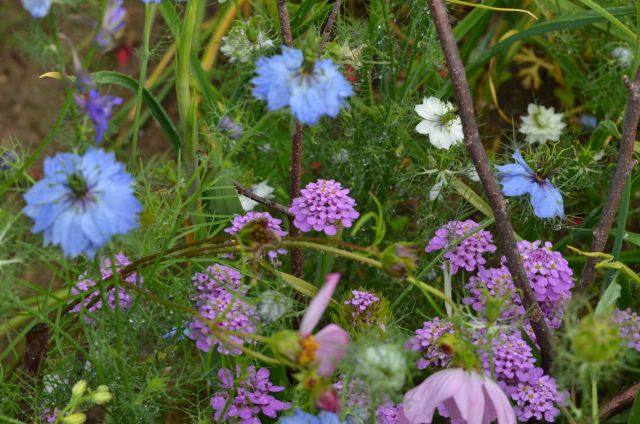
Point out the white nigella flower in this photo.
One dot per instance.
(383, 364)
(623, 56)
(239, 47)
(263, 190)
(440, 123)
(542, 124)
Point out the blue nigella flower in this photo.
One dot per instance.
(82, 201)
(284, 81)
(518, 179)
(37, 8)
(99, 109)
(112, 23)
(303, 418)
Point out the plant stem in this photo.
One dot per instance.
(149, 12)
(619, 402)
(266, 202)
(446, 271)
(594, 397)
(481, 162)
(326, 31)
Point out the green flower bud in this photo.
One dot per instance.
(77, 418)
(596, 339)
(287, 344)
(101, 395)
(399, 259)
(78, 389)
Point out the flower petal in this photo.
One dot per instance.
(332, 346)
(318, 305)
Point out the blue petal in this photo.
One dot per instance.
(37, 8)
(518, 157)
(546, 200)
(517, 185)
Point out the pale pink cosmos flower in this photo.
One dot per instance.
(468, 397)
(328, 346)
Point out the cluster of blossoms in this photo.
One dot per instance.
(425, 341)
(536, 397)
(497, 283)
(219, 303)
(469, 253)
(268, 222)
(511, 357)
(323, 206)
(357, 404)
(311, 90)
(360, 305)
(629, 323)
(84, 284)
(246, 396)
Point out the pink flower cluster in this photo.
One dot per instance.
(323, 206)
(536, 397)
(219, 292)
(425, 341)
(242, 400)
(273, 224)
(84, 284)
(468, 254)
(498, 284)
(360, 303)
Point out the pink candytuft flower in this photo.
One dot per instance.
(271, 223)
(323, 206)
(469, 253)
(468, 397)
(328, 346)
(425, 341)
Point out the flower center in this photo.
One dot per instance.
(78, 186)
(308, 346)
(446, 119)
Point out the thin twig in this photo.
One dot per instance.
(326, 31)
(619, 402)
(481, 162)
(285, 24)
(623, 170)
(263, 201)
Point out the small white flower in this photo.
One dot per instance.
(542, 124)
(440, 123)
(340, 157)
(623, 56)
(239, 48)
(263, 190)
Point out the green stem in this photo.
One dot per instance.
(149, 12)
(329, 249)
(594, 398)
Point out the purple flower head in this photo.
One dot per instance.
(49, 415)
(37, 8)
(360, 303)
(469, 253)
(536, 396)
(98, 108)
(112, 23)
(301, 417)
(629, 326)
(228, 314)
(466, 395)
(283, 80)
(387, 413)
(243, 399)
(511, 357)
(273, 224)
(518, 179)
(84, 284)
(323, 206)
(497, 282)
(216, 280)
(231, 128)
(7, 160)
(425, 341)
(82, 202)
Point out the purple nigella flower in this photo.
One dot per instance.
(112, 23)
(216, 280)
(518, 179)
(82, 201)
(360, 302)
(629, 326)
(469, 253)
(98, 108)
(242, 400)
(425, 341)
(536, 396)
(273, 224)
(84, 284)
(230, 316)
(284, 80)
(323, 206)
(497, 282)
(37, 8)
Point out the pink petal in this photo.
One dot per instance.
(421, 402)
(470, 400)
(332, 346)
(318, 305)
(503, 409)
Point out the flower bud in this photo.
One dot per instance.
(383, 364)
(77, 418)
(78, 389)
(257, 233)
(272, 306)
(329, 400)
(399, 259)
(287, 344)
(596, 339)
(101, 395)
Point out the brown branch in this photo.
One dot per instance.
(263, 201)
(481, 162)
(326, 31)
(285, 25)
(623, 171)
(619, 402)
